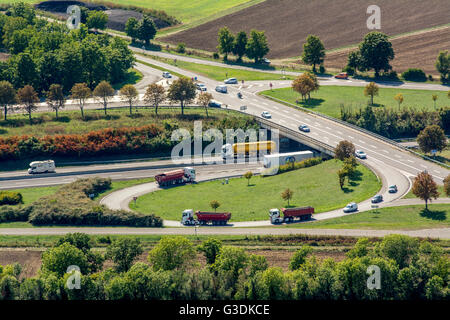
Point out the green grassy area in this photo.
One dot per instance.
(405, 217)
(329, 99)
(133, 76)
(315, 186)
(32, 194)
(222, 73)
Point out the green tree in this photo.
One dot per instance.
(130, 94)
(425, 188)
(124, 252)
(432, 138)
(97, 20)
(226, 42)
(155, 95)
(447, 185)
(58, 259)
(182, 90)
(257, 46)
(443, 65)
(214, 205)
(232, 260)
(132, 28)
(55, 98)
(313, 51)
(376, 52)
(172, 253)
(7, 96)
(28, 98)
(400, 248)
(146, 29)
(287, 195)
(81, 92)
(299, 257)
(371, 90)
(248, 175)
(360, 249)
(345, 149)
(240, 44)
(211, 249)
(25, 72)
(341, 175)
(104, 92)
(354, 61)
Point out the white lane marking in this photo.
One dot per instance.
(318, 124)
(276, 108)
(385, 151)
(362, 141)
(285, 111)
(437, 171)
(374, 147)
(328, 128)
(351, 137)
(423, 166)
(264, 103)
(397, 156)
(306, 119)
(339, 132)
(409, 160)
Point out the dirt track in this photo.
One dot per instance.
(338, 23)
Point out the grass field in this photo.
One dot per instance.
(405, 217)
(329, 99)
(315, 186)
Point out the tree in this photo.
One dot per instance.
(58, 259)
(129, 94)
(313, 51)
(341, 175)
(345, 149)
(203, 99)
(132, 28)
(257, 46)
(104, 92)
(425, 188)
(287, 195)
(443, 65)
(146, 29)
(371, 90)
(155, 95)
(226, 42)
(399, 98)
(248, 175)
(232, 260)
(400, 248)
(182, 90)
(25, 72)
(171, 253)
(7, 96)
(124, 252)
(353, 61)
(28, 98)
(214, 204)
(434, 97)
(211, 249)
(376, 52)
(81, 92)
(305, 84)
(447, 185)
(55, 98)
(240, 44)
(299, 257)
(97, 20)
(432, 138)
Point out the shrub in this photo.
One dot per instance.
(414, 74)
(13, 214)
(322, 69)
(181, 48)
(10, 198)
(350, 70)
(216, 55)
(293, 166)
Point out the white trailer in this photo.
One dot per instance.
(42, 166)
(279, 159)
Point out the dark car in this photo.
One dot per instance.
(303, 128)
(377, 198)
(393, 189)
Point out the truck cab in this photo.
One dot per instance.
(187, 217)
(189, 173)
(275, 216)
(227, 151)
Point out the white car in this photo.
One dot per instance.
(360, 154)
(201, 87)
(265, 61)
(166, 74)
(266, 114)
(351, 207)
(231, 81)
(222, 89)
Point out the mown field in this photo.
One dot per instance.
(250, 203)
(329, 99)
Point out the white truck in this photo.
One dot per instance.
(42, 166)
(279, 159)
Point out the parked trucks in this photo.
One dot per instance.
(279, 159)
(204, 218)
(290, 214)
(42, 166)
(174, 177)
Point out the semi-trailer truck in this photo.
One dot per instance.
(179, 176)
(204, 218)
(290, 214)
(279, 159)
(247, 149)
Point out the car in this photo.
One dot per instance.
(166, 74)
(351, 207)
(377, 198)
(393, 189)
(265, 61)
(266, 114)
(342, 75)
(303, 128)
(222, 89)
(360, 154)
(201, 87)
(231, 81)
(214, 104)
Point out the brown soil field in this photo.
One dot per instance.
(411, 51)
(338, 23)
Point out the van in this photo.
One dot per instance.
(222, 89)
(42, 166)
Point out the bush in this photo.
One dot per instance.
(350, 70)
(13, 214)
(10, 198)
(216, 55)
(181, 48)
(294, 166)
(413, 74)
(322, 69)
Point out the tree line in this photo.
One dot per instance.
(410, 269)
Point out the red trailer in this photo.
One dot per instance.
(215, 218)
(302, 213)
(175, 177)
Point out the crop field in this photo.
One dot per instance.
(412, 51)
(338, 23)
(250, 203)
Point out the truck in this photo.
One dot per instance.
(204, 218)
(42, 166)
(174, 177)
(290, 214)
(247, 148)
(279, 159)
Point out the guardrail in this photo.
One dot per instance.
(375, 135)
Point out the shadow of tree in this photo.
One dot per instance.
(311, 103)
(433, 214)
